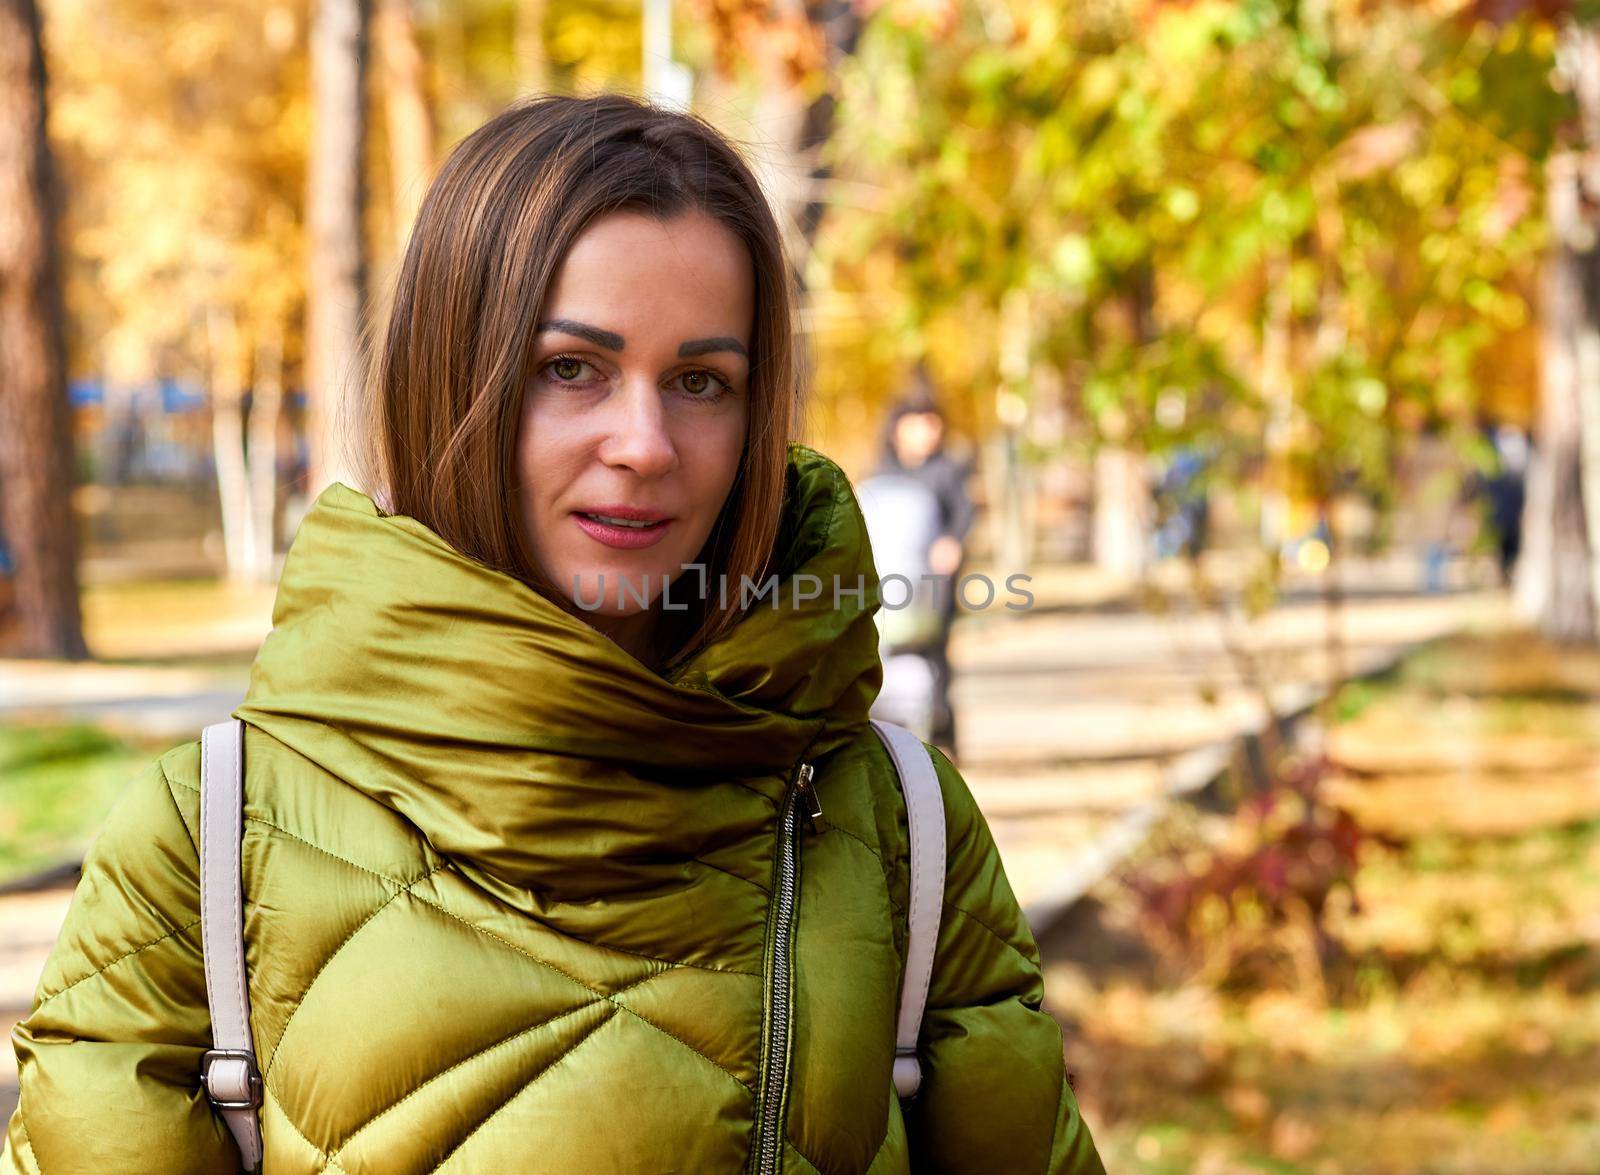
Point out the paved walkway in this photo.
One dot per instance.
(1077, 719)
(1074, 728)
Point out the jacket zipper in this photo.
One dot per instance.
(769, 1139)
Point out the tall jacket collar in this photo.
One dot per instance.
(503, 726)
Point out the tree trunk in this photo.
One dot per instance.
(1012, 512)
(336, 291)
(1277, 389)
(1554, 586)
(1583, 66)
(36, 455)
(410, 116)
(533, 63)
(227, 378)
(266, 405)
(1123, 511)
(1557, 583)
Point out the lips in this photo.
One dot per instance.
(624, 527)
(616, 510)
(619, 519)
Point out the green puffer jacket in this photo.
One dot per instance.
(510, 900)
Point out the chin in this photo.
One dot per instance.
(640, 578)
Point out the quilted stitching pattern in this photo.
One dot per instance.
(418, 1019)
(525, 1007)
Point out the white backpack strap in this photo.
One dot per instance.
(228, 1069)
(925, 819)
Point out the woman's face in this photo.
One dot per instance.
(636, 408)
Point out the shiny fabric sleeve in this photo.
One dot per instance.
(109, 1056)
(994, 1093)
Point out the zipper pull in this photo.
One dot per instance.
(813, 804)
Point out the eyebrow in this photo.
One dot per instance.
(612, 341)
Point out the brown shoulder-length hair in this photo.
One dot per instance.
(444, 392)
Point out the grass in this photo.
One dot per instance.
(58, 781)
(56, 785)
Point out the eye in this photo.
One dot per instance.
(704, 384)
(566, 368)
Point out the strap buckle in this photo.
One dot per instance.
(907, 1073)
(252, 1076)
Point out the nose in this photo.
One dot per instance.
(637, 436)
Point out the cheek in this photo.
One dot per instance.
(529, 467)
(717, 448)
(544, 463)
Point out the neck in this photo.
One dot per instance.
(635, 633)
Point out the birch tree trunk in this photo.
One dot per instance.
(266, 406)
(410, 115)
(1277, 389)
(1123, 510)
(1553, 586)
(1557, 585)
(227, 377)
(533, 63)
(336, 290)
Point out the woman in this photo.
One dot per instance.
(514, 894)
(913, 448)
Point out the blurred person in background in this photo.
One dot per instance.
(1182, 504)
(1506, 492)
(913, 448)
